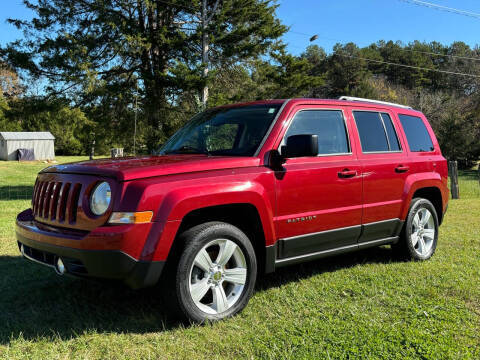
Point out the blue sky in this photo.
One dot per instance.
(360, 21)
(367, 21)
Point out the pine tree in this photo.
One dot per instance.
(86, 45)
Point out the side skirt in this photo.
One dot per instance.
(370, 235)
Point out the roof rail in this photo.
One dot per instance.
(351, 98)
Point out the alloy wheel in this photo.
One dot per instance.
(423, 232)
(218, 276)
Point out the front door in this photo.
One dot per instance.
(319, 199)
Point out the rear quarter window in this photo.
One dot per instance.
(417, 134)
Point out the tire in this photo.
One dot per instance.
(419, 236)
(216, 271)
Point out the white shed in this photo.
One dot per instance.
(42, 144)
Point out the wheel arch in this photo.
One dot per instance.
(428, 185)
(244, 216)
(434, 195)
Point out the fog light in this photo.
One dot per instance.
(60, 267)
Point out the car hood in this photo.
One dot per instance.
(131, 168)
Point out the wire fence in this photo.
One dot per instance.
(469, 186)
(16, 193)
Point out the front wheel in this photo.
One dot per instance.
(216, 272)
(419, 236)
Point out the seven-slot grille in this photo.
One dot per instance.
(56, 201)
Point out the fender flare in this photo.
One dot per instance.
(418, 181)
(180, 202)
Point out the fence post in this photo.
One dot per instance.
(116, 152)
(92, 150)
(478, 174)
(453, 172)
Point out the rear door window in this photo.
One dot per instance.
(391, 133)
(328, 125)
(417, 134)
(376, 132)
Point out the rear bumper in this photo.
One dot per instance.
(111, 264)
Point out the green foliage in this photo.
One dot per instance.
(3, 107)
(5, 123)
(347, 73)
(105, 56)
(287, 76)
(70, 126)
(449, 101)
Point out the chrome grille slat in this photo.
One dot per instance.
(74, 204)
(42, 198)
(52, 211)
(63, 202)
(47, 199)
(34, 196)
(38, 185)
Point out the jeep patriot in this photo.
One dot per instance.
(240, 190)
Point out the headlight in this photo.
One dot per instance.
(100, 198)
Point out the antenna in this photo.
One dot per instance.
(136, 111)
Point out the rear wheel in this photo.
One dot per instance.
(216, 272)
(419, 236)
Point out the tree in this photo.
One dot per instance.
(4, 126)
(348, 72)
(317, 58)
(286, 75)
(9, 82)
(83, 45)
(70, 126)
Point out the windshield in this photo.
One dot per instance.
(234, 131)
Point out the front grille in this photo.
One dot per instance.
(61, 201)
(56, 201)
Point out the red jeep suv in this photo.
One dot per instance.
(242, 189)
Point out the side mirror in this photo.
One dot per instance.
(300, 146)
(275, 160)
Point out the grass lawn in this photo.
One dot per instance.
(365, 305)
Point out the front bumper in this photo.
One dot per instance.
(113, 264)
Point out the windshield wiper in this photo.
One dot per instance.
(187, 149)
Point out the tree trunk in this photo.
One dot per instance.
(204, 53)
(155, 106)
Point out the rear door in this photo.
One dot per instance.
(319, 199)
(385, 166)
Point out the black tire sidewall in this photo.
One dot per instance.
(417, 204)
(196, 238)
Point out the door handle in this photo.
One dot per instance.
(346, 173)
(402, 169)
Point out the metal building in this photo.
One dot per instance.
(42, 144)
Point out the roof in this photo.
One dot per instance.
(358, 102)
(43, 135)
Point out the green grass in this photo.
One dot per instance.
(469, 184)
(366, 305)
(17, 178)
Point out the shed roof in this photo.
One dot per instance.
(43, 135)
